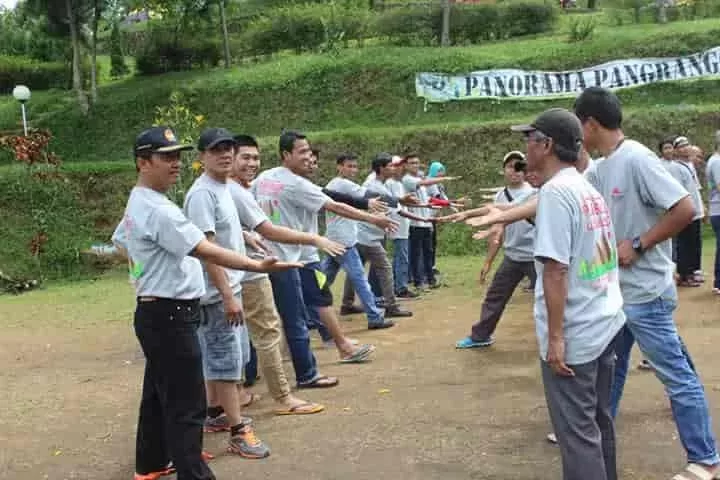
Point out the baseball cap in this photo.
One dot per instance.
(514, 155)
(560, 125)
(680, 142)
(212, 137)
(160, 139)
(397, 160)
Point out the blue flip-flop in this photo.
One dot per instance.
(361, 355)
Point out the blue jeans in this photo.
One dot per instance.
(401, 264)
(352, 264)
(290, 304)
(715, 222)
(652, 325)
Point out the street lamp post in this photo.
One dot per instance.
(22, 95)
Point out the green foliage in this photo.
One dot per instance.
(35, 74)
(188, 125)
(165, 52)
(468, 23)
(302, 28)
(582, 29)
(22, 34)
(117, 60)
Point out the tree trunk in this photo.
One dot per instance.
(662, 11)
(97, 10)
(445, 36)
(226, 40)
(77, 71)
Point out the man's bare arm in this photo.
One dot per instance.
(281, 234)
(354, 214)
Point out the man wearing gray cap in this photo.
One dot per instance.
(578, 305)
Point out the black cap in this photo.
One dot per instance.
(212, 137)
(560, 125)
(159, 139)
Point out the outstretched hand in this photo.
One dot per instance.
(272, 264)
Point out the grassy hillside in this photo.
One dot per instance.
(359, 88)
(362, 100)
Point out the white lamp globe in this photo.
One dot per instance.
(21, 93)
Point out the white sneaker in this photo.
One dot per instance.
(551, 438)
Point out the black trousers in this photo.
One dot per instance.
(173, 405)
(689, 245)
(434, 243)
(421, 266)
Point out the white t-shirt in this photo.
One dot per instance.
(396, 189)
(712, 176)
(412, 185)
(573, 227)
(341, 229)
(209, 206)
(158, 238)
(369, 234)
(519, 236)
(251, 217)
(293, 202)
(638, 190)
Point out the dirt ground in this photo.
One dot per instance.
(421, 410)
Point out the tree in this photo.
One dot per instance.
(226, 39)
(118, 67)
(445, 36)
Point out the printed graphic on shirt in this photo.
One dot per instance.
(602, 267)
(268, 194)
(136, 269)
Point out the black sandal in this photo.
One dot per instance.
(321, 381)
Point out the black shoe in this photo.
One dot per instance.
(407, 294)
(434, 285)
(381, 325)
(354, 310)
(397, 312)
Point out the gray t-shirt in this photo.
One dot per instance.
(412, 185)
(519, 236)
(369, 234)
(341, 229)
(158, 238)
(638, 190)
(209, 206)
(396, 189)
(251, 216)
(574, 229)
(684, 176)
(712, 176)
(694, 189)
(293, 202)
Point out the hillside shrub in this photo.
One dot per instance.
(304, 28)
(36, 75)
(468, 23)
(166, 51)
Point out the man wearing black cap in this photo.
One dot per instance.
(161, 244)
(578, 306)
(222, 333)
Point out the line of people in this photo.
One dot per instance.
(239, 263)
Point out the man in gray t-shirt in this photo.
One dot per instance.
(712, 177)
(160, 243)
(290, 200)
(223, 334)
(517, 263)
(647, 207)
(578, 306)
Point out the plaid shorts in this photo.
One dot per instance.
(225, 349)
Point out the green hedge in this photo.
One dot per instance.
(165, 51)
(36, 75)
(469, 24)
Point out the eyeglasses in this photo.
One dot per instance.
(536, 135)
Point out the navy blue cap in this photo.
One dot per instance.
(212, 137)
(160, 139)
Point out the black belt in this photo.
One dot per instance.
(176, 301)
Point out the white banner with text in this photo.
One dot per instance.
(513, 83)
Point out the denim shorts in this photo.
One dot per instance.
(225, 349)
(315, 287)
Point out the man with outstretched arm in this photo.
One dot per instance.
(163, 248)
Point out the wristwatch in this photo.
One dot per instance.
(637, 246)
